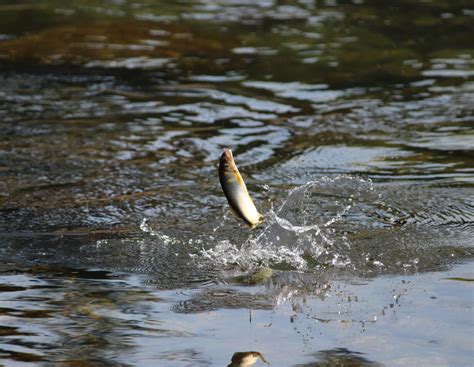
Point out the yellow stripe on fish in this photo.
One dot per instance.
(235, 190)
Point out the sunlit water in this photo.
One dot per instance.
(352, 123)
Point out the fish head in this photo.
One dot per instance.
(227, 158)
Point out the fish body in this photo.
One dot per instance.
(235, 190)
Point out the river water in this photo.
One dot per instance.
(352, 123)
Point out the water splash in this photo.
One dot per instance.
(145, 227)
(251, 254)
(343, 222)
(296, 235)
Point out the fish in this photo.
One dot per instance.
(235, 190)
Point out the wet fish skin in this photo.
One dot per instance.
(235, 190)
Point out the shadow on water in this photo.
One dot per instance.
(352, 124)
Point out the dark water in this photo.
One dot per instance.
(353, 124)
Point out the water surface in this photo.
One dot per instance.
(353, 124)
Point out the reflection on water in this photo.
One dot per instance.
(58, 315)
(352, 123)
(244, 359)
(340, 357)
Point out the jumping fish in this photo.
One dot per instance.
(235, 190)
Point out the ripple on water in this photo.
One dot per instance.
(315, 93)
(358, 227)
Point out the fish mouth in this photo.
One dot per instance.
(227, 155)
